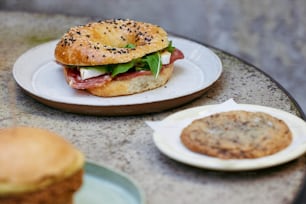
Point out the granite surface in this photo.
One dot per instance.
(125, 143)
(270, 34)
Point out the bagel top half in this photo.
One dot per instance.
(104, 42)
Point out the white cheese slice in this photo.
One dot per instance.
(89, 73)
(165, 57)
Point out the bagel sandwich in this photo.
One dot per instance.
(38, 166)
(116, 57)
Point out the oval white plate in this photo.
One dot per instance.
(39, 75)
(171, 145)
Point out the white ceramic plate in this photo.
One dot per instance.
(105, 185)
(39, 75)
(170, 144)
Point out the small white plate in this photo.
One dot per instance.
(39, 75)
(171, 145)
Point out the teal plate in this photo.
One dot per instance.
(104, 185)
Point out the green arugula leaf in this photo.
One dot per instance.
(130, 45)
(122, 68)
(154, 62)
(170, 48)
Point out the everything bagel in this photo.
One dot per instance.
(96, 55)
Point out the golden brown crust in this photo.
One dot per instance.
(32, 158)
(103, 42)
(133, 85)
(237, 135)
(57, 193)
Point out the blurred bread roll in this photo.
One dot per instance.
(38, 166)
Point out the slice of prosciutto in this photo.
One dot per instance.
(74, 80)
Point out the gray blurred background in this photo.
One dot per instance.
(270, 34)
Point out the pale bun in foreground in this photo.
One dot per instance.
(38, 166)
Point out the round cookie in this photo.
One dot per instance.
(237, 135)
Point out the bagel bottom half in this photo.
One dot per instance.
(133, 85)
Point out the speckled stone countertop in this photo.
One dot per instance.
(125, 143)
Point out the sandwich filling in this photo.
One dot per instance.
(84, 77)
